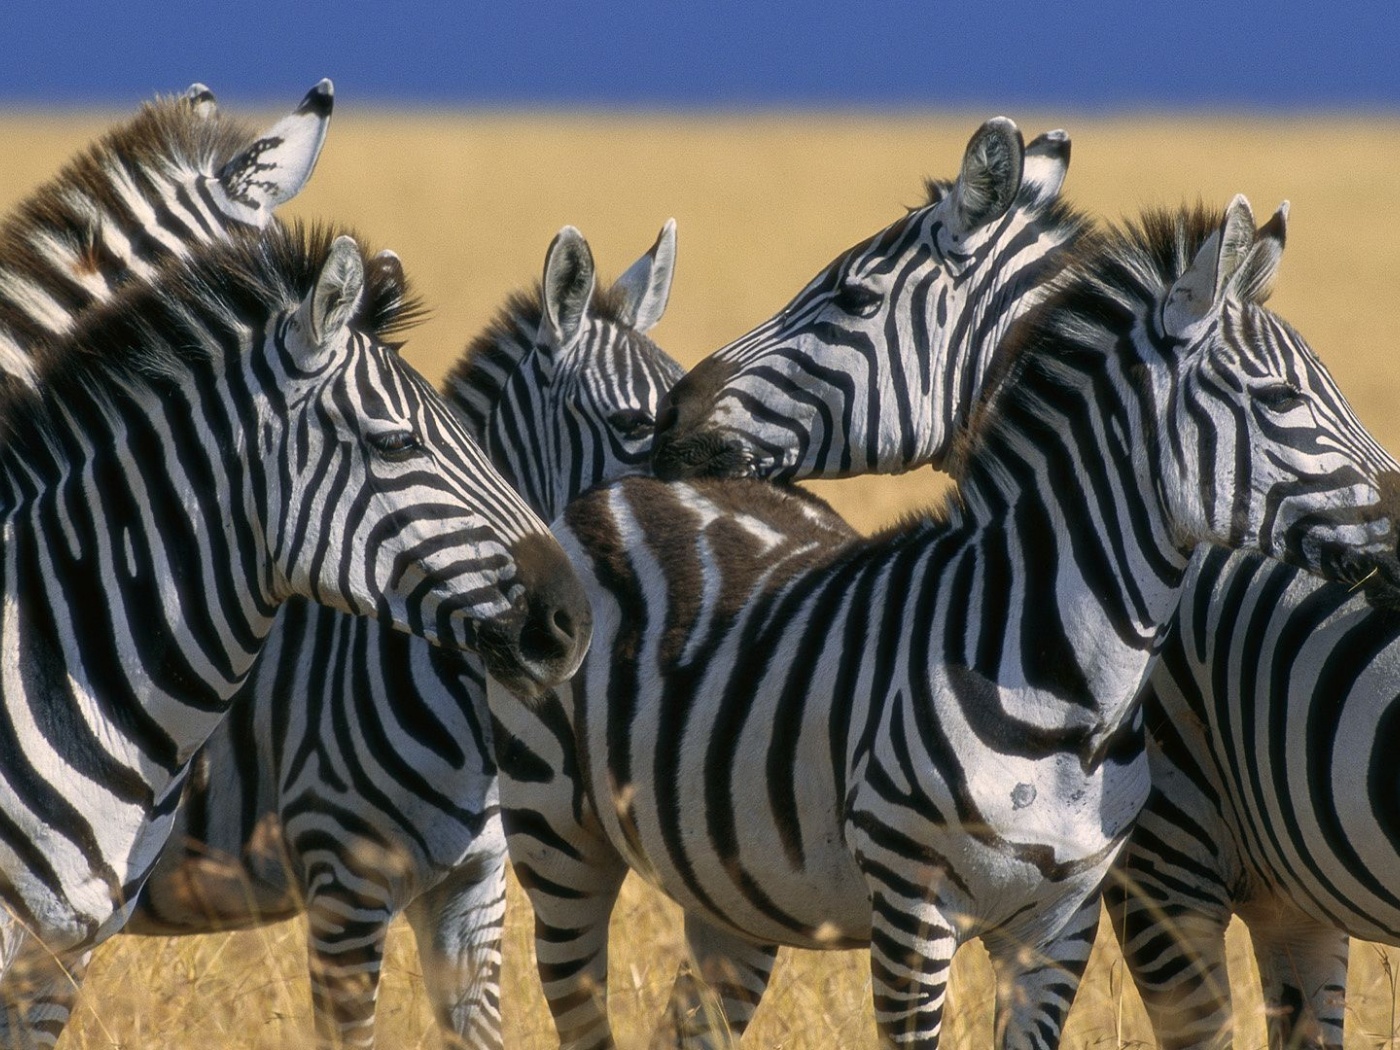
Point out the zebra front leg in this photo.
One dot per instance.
(458, 925)
(1174, 945)
(1036, 985)
(911, 950)
(1303, 967)
(572, 876)
(717, 989)
(37, 994)
(345, 941)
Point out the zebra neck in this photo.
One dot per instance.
(105, 223)
(133, 565)
(1072, 565)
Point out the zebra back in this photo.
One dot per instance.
(873, 366)
(177, 174)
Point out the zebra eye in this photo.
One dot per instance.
(395, 444)
(632, 422)
(1279, 397)
(857, 300)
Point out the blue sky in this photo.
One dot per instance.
(1199, 54)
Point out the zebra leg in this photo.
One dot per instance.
(572, 876)
(717, 990)
(1303, 967)
(458, 925)
(37, 995)
(1036, 985)
(911, 950)
(346, 947)
(1174, 945)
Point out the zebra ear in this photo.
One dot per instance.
(1198, 292)
(278, 163)
(1046, 164)
(200, 100)
(1254, 281)
(990, 176)
(389, 267)
(646, 286)
(336, 297)
(569, 278)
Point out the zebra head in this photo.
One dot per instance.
(872, 367)
(383, 505)
(1248, 442)
(1260, 428)
(563, 389)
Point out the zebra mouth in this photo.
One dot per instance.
(703, 455)
(1376, 574)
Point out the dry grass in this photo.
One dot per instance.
(470, 204)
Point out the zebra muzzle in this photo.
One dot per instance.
(542, 640)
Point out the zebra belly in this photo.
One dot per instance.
(756, 891)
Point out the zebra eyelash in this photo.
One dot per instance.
(396, 445)
(857, 300)
(1279, 397)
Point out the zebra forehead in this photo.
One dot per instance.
(511, 336)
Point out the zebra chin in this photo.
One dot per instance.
(1373, 568)
(542, 639)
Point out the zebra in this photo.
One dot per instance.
(197, 451)
(742, 411)
(176, 175)
(916, 310)
(899, 325)
(1272, 732)
(561, 392)
(906, 742)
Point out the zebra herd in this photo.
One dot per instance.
(285, 631)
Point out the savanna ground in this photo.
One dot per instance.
(471, 202)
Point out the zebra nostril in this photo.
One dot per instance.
(563, 625)
(538, 643)
(553, 634)
(549, 635)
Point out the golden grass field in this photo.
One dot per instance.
(470, 202)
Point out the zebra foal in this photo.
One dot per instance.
(191, 455)
(906, 742)
(354, 778)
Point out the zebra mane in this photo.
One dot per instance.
(166, 134)
(478, 379)
(149, 332)
(1112, 279)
